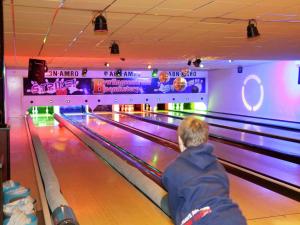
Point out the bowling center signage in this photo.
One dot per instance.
(128, 82)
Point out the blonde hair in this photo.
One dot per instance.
(193, 131)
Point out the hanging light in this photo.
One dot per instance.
(100, 24)
(154, 72)
(252, 30)
(114, 48)
(197, 62)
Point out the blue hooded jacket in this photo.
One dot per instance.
(196, 180)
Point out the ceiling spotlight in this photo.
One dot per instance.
(252, 30)
(154, 72)
(149, 67)
(201, 65)
(197, 62)
(189, 62)
(118, 73)
(106, 64)
(230, 61)
(114, 48)
(100, 24)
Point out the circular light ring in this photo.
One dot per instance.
(261, 97)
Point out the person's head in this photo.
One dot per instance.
(192, 132)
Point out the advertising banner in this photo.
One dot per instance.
(58, 86)
(148, 85)
(163, 84)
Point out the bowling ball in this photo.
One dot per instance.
(163, 77)
(195, 89)
(179, 84)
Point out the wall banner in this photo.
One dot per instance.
(58, 86)
(148, 85)
(164, 84)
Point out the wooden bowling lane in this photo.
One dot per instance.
(246, 125)
(279, 169)
(150, 152)
(22, 169)
(266, 121)
(257, 203)
(268, 143)
(97, 194)
(262, 206)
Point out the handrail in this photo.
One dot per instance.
(61, 212)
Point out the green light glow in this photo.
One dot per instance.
(49, 110)
(199, 106)
(43, 120)
(155, 159)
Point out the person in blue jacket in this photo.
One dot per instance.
(197, 184)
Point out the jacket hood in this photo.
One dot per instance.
(200, 156)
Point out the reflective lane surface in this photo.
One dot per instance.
(276, 168)
(245, 126)
(273, 144)
(290, 124)
(97, 193)
(254, 200)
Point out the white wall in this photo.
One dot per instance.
(280, 86)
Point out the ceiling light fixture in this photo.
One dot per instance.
(100, 24)
(252, 30)
(118, 73)
(106, 64)
(197, 62)
(149, 67)
(201, 66)
(154, 72)
(114, 48)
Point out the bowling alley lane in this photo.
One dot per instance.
(142, 148)
(273, 144)
(244, 125)
(245, 193)
(267, 121)
(276, 168)
(97, 193)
